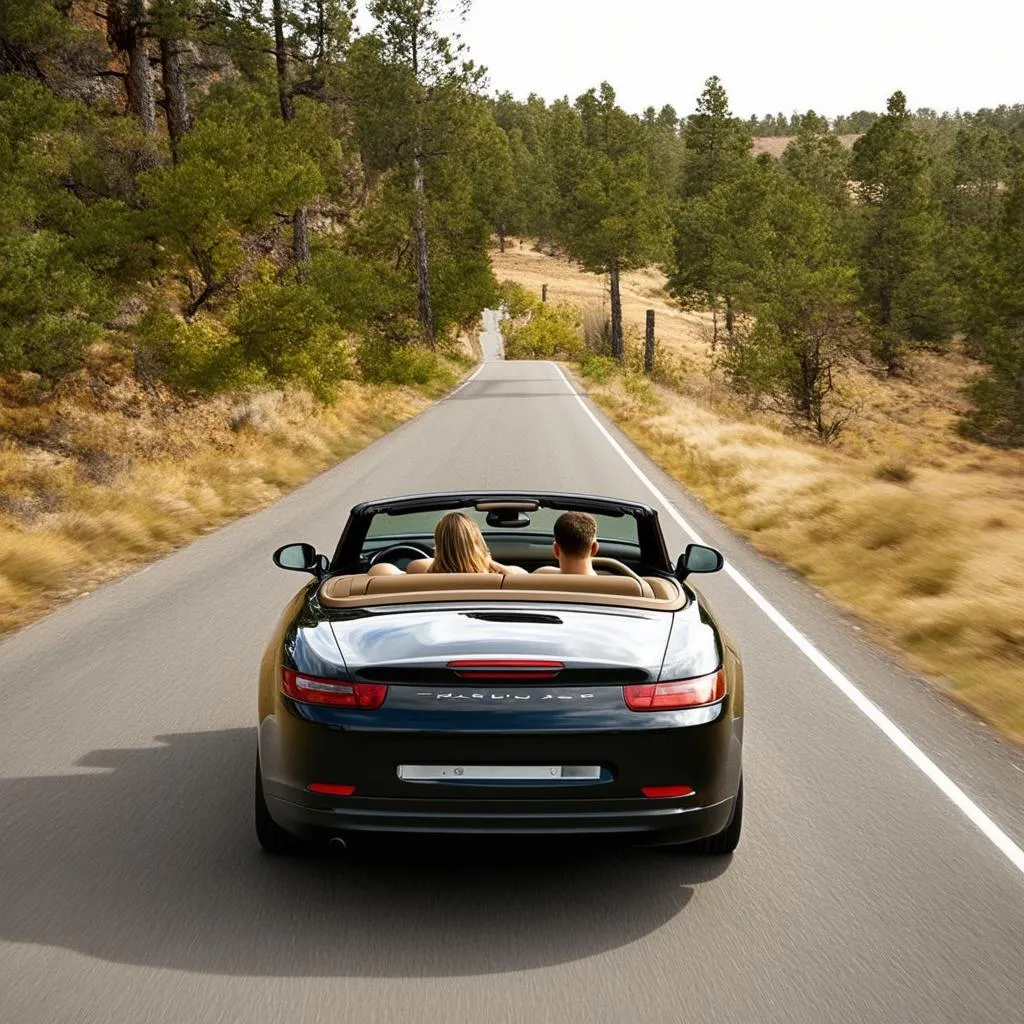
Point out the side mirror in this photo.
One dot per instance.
(300, 558)
(698, 558)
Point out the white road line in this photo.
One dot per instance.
(468, 380)
(897, 736)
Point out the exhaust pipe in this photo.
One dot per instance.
(337, 844)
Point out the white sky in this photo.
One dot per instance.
(772, 55)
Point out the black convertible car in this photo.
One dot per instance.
(539, 704)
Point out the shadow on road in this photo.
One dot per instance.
(472, 395)
(154, 862)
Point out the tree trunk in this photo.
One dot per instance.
(649, 344)
(179, 120)
(730, 318)
(300, 219)
(125, 30)
(618, 348)
(300, 238)
(420, 188)
(281, 62)
(422, 265)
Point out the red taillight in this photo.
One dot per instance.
(506, 668)
(333, 692)
(330, 790)
(660, 792)
(682, 693)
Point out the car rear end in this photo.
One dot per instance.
(480, 721)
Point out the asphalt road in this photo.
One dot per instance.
(132, 889)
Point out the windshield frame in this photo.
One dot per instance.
(349, 552)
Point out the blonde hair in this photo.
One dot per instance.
(459, 545)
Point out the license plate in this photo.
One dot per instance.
(496, 772)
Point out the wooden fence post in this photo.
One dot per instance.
(649, 344)
(543, 293)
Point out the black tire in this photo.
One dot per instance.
(272, 837)
(728, 839)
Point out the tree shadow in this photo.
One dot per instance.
(154, 862)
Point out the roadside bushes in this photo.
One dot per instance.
(539, 330)
(382, 361)
(599, 369)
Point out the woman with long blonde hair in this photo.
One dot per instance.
(459, 546)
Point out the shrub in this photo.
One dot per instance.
(289, 334)
(516, 301)
(48, 306)
(895, 472)
(198, 356)
(551, 332)
(383, 361)
(599, 369)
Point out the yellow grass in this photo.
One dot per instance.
(109, 474)
(903, 523)
(776, 145)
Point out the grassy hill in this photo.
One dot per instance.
(775, 145)
(903, 522)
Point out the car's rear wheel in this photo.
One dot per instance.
(725, 841)
(272, 837)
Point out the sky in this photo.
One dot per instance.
(776, 55)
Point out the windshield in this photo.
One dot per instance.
(619, 529)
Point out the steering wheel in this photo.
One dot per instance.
(410, 551)
(617, 567)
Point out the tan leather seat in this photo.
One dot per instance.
(415, 583)
(663, 590)
(624, 585)
(358, 590)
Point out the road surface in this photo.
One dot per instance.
(132, 889)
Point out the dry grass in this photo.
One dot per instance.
(776, 144)
(903, 523)
(107, 474)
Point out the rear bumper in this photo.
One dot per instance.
(363, 750)
(650, 822)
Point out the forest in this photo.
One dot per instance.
(243, 194)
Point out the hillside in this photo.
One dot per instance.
(109, 472)
(902, 522)
(775, 145)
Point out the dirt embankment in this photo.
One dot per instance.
(106, 472)
(904, 523)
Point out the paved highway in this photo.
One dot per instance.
(132, 889)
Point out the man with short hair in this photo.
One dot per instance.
(576, 543)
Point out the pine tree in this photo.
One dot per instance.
(816, 159)
(798, 285)
(995, 323)
(435, 73)
(904, 293)
(717, 144)
(717, 151)
(614, 219)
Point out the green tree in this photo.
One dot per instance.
(816, 159)
(799, 289)
(717, 151)
(995, 323)
(905, 294)
(717, 144)
(239, 166)
(422, 76)
(614, 219)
